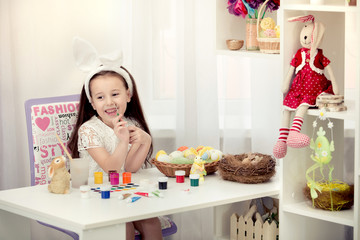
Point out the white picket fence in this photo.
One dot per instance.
(248, 230)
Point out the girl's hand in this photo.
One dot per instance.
(121, 128)
(137, 135)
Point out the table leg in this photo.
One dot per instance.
(13, 226)
(118, 230)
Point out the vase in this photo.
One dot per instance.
(251, 34)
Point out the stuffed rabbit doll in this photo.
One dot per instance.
(60, 177)
(309, 65)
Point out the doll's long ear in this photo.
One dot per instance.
(86, 57)
(316, 37)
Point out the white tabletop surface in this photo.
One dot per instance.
(72, 212)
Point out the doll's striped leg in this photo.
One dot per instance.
(297, 139)
(280, 147)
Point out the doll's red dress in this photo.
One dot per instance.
(309, 81)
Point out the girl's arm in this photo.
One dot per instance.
(116, 160)
(140, 145)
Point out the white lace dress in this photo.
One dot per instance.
(94, 133)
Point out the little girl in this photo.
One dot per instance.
(111, 131)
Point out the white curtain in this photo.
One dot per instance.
(36, 61)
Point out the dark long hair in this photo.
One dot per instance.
(133, 112)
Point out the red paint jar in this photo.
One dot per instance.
(180, 176)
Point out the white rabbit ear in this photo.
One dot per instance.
(86, 57)
(51, 171)
(316, 37)
(114, 59)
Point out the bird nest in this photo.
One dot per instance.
(247, 167)
(334, 196)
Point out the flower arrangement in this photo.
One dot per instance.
(250, 7)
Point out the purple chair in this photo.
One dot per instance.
(44, 118)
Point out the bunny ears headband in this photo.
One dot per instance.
(88, 60)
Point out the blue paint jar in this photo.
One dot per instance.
(162, 183)
(105, 192)
(194, 180)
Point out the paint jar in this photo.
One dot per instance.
(114, 178)
(105, 192)
(126, 177)
(85, 191)
(194, 180)
(79, 169)
(180, 176)
(98, 177)
(110, 172)
(162, 183)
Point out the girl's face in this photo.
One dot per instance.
(109, 97)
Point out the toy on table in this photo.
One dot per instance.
(325, 193)
(198, 167)
(60, 177)
(309, 65)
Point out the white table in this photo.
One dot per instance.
(96, 218)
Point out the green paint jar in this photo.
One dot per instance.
(194, 180)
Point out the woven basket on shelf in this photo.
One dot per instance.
(169, 169)
(233, 168)
(341, 199)
(267, 45)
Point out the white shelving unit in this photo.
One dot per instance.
(298, 218)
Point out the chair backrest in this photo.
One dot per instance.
(44, 118)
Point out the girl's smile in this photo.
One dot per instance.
(111, 111)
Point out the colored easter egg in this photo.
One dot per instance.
(182, 148)
(176, 154)
(164, 158)
(216, 155)
(189, 154)
(205, 156)
(160, 153)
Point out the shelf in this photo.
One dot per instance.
(251, 54)
(345, 217)
(344, 115)
(320, 8)
(349, 114)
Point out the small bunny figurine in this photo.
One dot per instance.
(309, 65)
(60, 177)
(198, 167)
